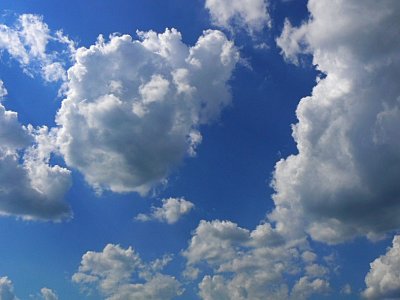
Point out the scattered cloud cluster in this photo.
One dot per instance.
(119, 273)
(7, 291)
(133, 107)
(170, 212)
(30, 187)
(252, 264)
(27, 42)
(251, 15)
(383, 280)
(344, 180)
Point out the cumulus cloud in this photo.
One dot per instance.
(243, 264)
(251, 15)
(344, 180)
(133, 107)
(305, 287)
(119, 273)
(48, 294)
(27, 42)
(346, 289)
(171, 211)
(383, 280)
(7, 289)
(30, 187)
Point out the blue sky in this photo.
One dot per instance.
(199, 149)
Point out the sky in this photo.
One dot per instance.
(204, 149)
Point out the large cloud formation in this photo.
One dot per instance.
(383, 280)
(251, 15)
(239, 264)
(133, 107)
(344, 180)
(120, 273)
(30, 187)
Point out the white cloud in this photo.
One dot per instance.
(11, 42)
(7, 289)
(171, 211)
(120, 273)
(54, 72)
(344, 180)
(252, 15)
(27, 42)
(346, 289)
(305, 287)
(3, 90)
(48, 294)
(133, 107)
(30, 187)
(35, 34)
(251, 264)
(383, 279)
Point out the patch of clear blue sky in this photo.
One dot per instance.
(228, 180)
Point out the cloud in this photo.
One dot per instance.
(251, 15)
(346, 289)
(3, 90)
(240, 264)
(7, 289)
(48, 294)
(30, 187)
(344, 180)
(27, 42)
(305, 287)
(171, 211)
(383, 279)
(133, 107)
(120, 273)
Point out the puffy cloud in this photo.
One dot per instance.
(305, 287)
(54, 72)
(243, 264)
(35, 34)
(251, 15)
(133, 107)
(346, 289)
(121, 274)
(30, 187)
(7, 289)
(3, 90)
(27, 42)
(48, 294)
(171, 211)
(344, 180)
(383, 280)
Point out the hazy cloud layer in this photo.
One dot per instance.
(251, 15)
(30, 187)
(383, 280)
(171, 211)
(119, 273)
(344, 180)
(133, 107)
(252, 264)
